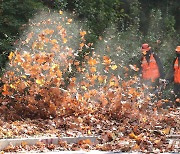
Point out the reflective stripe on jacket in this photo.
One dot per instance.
(150, 71)
(176, 71)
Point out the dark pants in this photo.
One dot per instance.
(177, 90)
(154, 88)
(177, 94)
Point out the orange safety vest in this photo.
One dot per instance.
(150, 71)
(176, 71)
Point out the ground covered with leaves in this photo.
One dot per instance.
(52, 87)
(132, 131)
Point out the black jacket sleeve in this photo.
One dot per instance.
(170, 74)
(160, 66)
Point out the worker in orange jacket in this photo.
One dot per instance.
(151, 69)
(174, 76)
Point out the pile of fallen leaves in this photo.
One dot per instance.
(101, 103)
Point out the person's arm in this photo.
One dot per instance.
(160, 66)
(170, 75)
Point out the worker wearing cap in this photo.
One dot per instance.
(151, 66)
(174, 76)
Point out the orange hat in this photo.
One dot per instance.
(145, 47)
(178, 48)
